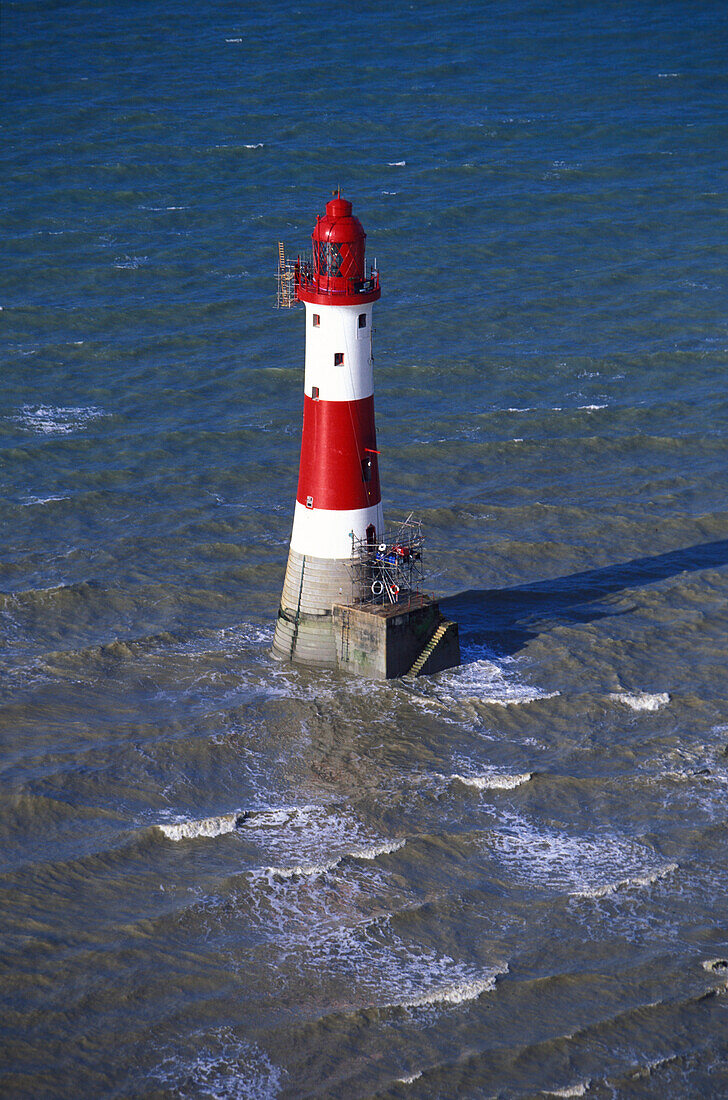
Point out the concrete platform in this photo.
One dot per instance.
(383, 641)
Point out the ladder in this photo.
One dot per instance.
(294, 635)
(345, 624)
(286, 297)
(429, 649)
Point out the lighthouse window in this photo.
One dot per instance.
(362, 320)
(314, 392)
(338, 358)
(316, 320)
(329, 258)
(366, 468)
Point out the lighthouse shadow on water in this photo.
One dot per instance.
(349, 597)
(506, 619)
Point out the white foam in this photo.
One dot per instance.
(376, 850)
(255, 145)
(233, 39)
(56, 420)
(641, 700)
(493, 780)
(219, 1066)
(454, 993)
(486, 681)
(591, 408)
(311, 869)
(637, 882)
(305, 869)
(396, 163)
(130, 263)
(408, 1080)
(577, 1089)
(580, 865)
(41, 500)
(715, 966)
(207, 827)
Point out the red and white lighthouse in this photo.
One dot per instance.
(338, 499)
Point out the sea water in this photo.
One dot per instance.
(227, 877)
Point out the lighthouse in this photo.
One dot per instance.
(338, 563)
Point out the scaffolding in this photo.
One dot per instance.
(286, 297)
(390, 570)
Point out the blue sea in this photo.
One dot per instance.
(507, 880)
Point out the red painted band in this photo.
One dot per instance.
(338, 469)
(334, 299)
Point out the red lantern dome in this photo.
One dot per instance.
(337, 274)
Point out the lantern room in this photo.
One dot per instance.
(336, 274)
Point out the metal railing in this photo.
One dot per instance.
(390, 570)
(310, 279)
(292, 274)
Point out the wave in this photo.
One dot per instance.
(454, 993)
(577, 1089)
(228, 823)
(312, 869)
(130, 263)
(485, 681)
(31, 500)
(492, 780)
(206, 827)
(641, 700)
(54, 419)
(396, 163)
(577, 865)
(715, 966)
(637, 881)
(533, 408)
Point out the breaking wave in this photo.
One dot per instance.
(577, 865)
(207, 827)
(454, 993)
(487, 681)
(54, 420)
(492, 781)
(636, 882)
(641, 700)
(312, 869)
(577, 1089)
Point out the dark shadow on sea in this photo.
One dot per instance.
(504, 619)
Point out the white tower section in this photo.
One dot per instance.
(336, 333)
